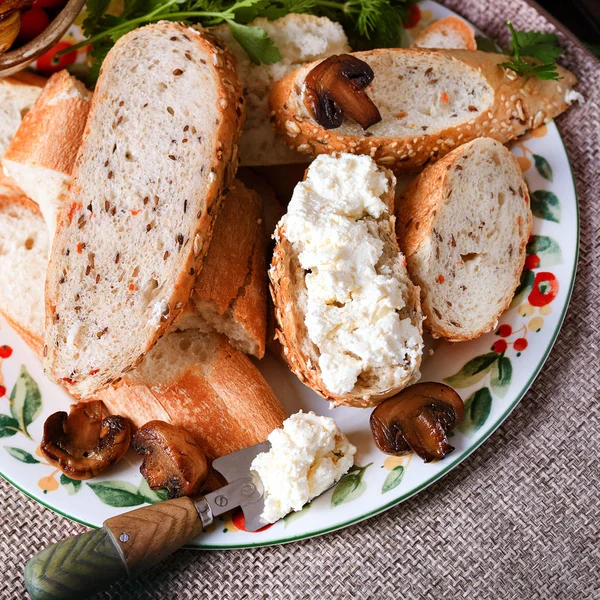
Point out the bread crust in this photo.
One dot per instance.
(231, 105)
(451, 22)
(299, 352)
(52, 130)
(416, 210)
(520, 103)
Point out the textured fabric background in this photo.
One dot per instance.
(519, 519)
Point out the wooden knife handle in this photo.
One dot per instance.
(127, 544)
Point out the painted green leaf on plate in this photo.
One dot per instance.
(117, 493)
(477, 409)
(350, 487)
(151, 496)
(524, 287)
(22, 455)
(294, 516)
(546, 249)
(473, 371)
(393, 479)
(543, 167)
(545, 205)
(8, 426)
(501, 376)
(25, 400)
(71, 485)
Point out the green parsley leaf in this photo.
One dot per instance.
(256, 42)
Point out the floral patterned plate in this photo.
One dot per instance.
(492, 374)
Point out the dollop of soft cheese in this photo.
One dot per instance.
(352, 300)
(306, 458)
(572, 96)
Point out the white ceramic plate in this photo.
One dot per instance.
(492, 374)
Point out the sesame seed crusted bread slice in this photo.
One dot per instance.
(348, 317)
(450, 33)
(158, 152)
(463, 225)
(430, 102)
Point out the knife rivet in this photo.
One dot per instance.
(248, 489)
(124, 537)
(221, 501)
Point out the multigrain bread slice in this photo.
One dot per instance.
(159, 150)
(41, 155)
(300, 39)
(463, 225)
(450, 33)
(193, 379)
(430, 102)
(17, 95)
(230, 293)
(348, 317)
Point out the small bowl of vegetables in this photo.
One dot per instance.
(29, 28)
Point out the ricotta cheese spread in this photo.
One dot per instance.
(306, 458)
(353, 295)
(572, 96)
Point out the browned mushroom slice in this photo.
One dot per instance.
(418, 420)
(335, 88)
(172, 459)
(83, 444)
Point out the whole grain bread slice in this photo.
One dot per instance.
(463, 225)
(430, 102)
(159, 150)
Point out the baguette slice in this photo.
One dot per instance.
(158, 152)
(430, 102)
(463, 225)
(300, 39)
(382, 342)
(41, 155)
(193, 379)
(17, 95)
(450, 33)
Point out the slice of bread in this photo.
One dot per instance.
(300, 39)
(450, 33)
(348, 317)
(41, 155)
(17, 95)
(193, 379)
(463, 225)
(158, 152)
(430, 101)
(230, 293)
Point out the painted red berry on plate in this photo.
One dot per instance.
(520, 344)
(504, 330)
(239, 521)
(5, 351)
(499, 346)
(33, 22)
(2, 391)
(545, 289)
(414, 16)
(50, 63)
(532, 262)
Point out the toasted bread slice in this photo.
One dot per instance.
(158, 152)
(463, 225)
(41, 155)
(430, 101)
(301, 39)
(348, 317)
(450, 33)
(193, 379)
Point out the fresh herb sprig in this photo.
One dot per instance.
(535, 44)
(368, 23)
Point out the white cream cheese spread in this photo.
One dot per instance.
(306, 458)
(352, 298)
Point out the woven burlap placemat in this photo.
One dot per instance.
(519, 519)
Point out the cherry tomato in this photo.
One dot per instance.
(240, 522)
(545, 289)
(504, 330)
(50, 63)
(49, 3)
(5, 351)
(414, 16)
(33, 22)
(499, 346)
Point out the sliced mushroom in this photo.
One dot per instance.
(85, 443)
(418, 420)
(172, 459)
(335, 88)
(9, 30)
